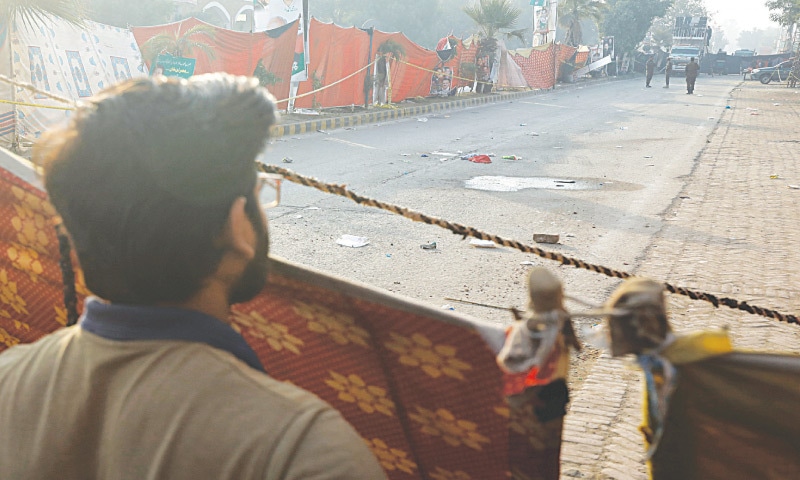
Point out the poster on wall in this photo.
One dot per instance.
(282, 12)
(545, 14)
(171, 66)
(441, 81)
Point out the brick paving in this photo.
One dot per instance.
(733, 231)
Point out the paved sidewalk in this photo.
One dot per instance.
(734, 231)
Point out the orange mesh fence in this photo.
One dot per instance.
(420, 385)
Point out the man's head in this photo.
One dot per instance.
(146, 178)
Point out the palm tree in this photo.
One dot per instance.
(494, 18)
(179, 44)
(32, 12)
(571, 13)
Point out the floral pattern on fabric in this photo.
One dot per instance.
(434, 360)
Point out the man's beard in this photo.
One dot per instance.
(254, 276)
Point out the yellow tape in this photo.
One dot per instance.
(36, 105)
(331, 85)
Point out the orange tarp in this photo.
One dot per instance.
(237, 53)
(420, 385)
(336, 52)
(410, 81)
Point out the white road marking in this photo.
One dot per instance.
(352, 144)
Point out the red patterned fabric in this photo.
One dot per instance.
(537, 66)
(419, 385)
(565, 53)
(581, 58)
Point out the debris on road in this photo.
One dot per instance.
(428, 246)
(287, 160)
(794, 187)
(545, 238)
(480, 159)
(352, 241)
(422, 119)
(512, 157)
(477, 242)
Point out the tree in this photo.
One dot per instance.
(495, 18)
(32, 12)
(179, 44)
(417, 19)
(759, 39)
(125, 13)
(629, 20)
(785, 12)
(571, 13)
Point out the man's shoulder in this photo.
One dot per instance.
(24, 352)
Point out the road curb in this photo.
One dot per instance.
(382, 115)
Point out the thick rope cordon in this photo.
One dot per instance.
(465, 231)
(34, 89)
(67, 276)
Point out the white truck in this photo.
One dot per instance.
(691, 37)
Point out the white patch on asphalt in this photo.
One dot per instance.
(352, 144)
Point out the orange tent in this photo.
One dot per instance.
(336, 53)
(237, 53)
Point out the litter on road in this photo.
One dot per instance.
(545, 238)
(352, 241)
(428, 246)
(477, 242)
(480, 159)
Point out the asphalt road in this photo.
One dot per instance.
(626, 147)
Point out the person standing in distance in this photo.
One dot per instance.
(650, 68)
(691, 76)
(667, 72)
(156, 183)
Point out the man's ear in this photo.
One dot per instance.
(239, 234)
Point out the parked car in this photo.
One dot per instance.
(777, 73)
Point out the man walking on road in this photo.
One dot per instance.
(156, 182)
(667, 71)
(691, 76)
(650, 68)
